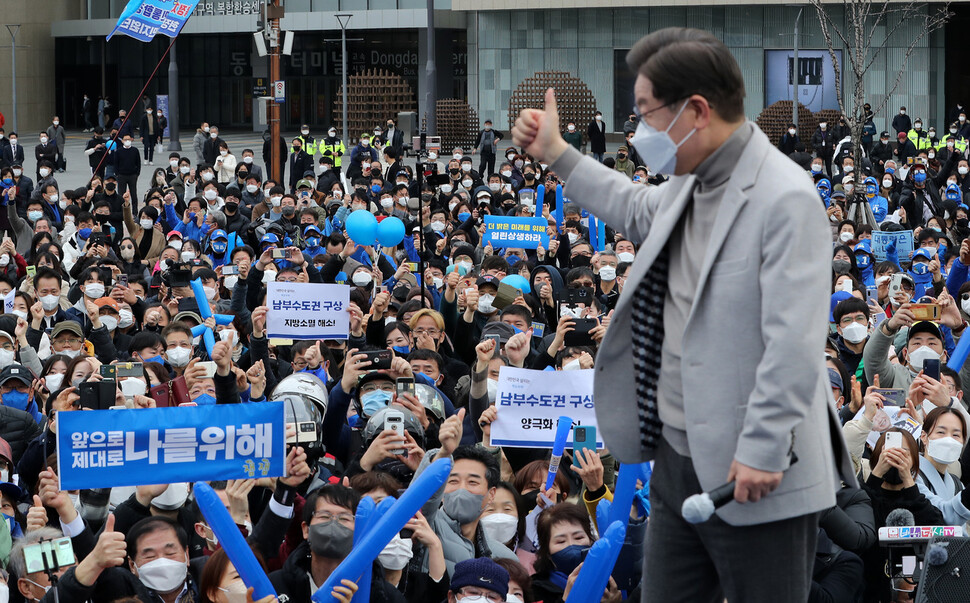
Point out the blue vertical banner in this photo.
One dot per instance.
(142, 446)
(161, 104)
(144, 19)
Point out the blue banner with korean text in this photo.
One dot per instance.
(530, 402)
(144, 19)
(136, 447)
(525, 233)
(307, 311)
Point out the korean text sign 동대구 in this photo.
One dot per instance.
(307, 311)
(525, 233)
(530, 402)
(135, 447)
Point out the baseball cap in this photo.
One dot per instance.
(67, 325)
(304, 183)
(487, 279)
(503, 330)
(835, 379)
(270, 238)
(923, 326)
(101, 302)
(901, 135)
(16, 371)
(310, 228)
(173, 233)
(219, 234)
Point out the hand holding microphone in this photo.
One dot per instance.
(744, 484)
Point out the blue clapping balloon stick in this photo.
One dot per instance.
(366, 514)
(626, 485)
(563, 427)
(601, 230)
(593, 233)
(596, 570)
(232, 541)
(540, 198)
(559, 202)
(400, 512)
(960, 353)
(205, 311)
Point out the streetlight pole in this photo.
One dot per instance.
(794, 74)
(343, 20)
(173, 101)
(431, 76)
(273, 14)
(13, 29)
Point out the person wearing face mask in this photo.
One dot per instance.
(148, 239)
(924, 340)
(623, 163)
(12, 153)
(824, 141)
(877, 202)
(788, 140)
(596, 134)
(127, 167)
(852, 325)
(891, 486)
(693, 128)
(363, 152)
(942, 439)
(328, 532)
(478, 581)
(564, 538)
(487, 146)
(150, 131)
(925, 269)
(46, 155)
(333, 147)
(919, 137)
(300, 162)
(920, 194)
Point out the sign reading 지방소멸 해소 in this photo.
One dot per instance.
(307, 311)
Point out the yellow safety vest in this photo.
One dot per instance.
(920, 140)
(309, 147)
(333, 150)
(960, 144)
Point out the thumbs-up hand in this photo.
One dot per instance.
(109, 552)
(37, 515)
(537, 130)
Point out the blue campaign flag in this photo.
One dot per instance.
(144, 19)
(134, 447)
(507, 231)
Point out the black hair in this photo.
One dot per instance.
(336, 494)
(850, 305)
(474, 453)
(150, 525)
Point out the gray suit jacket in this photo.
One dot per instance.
(755, 382)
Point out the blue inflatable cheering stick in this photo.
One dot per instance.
(596, 570)
(563, 428)
(232, 541)
(380, 533)
(205, 311)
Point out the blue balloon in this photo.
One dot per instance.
(110, 145)
(519, 282)
(390, 231)
(362, 227)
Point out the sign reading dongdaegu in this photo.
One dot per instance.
(307, 311)
(135, 447)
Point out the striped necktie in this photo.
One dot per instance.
(648, 337)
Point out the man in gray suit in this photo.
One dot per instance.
(717, 338)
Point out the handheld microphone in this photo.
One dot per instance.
(700, 507)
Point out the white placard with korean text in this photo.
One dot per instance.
(307, 311)
(530, 403)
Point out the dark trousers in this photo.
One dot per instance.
(488, 162)
(129, 182)
(712, 561)
(150, 140)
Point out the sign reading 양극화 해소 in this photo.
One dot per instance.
(307, 311)
(141, 446)
(525, 233)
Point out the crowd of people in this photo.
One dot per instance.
(99, 275)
